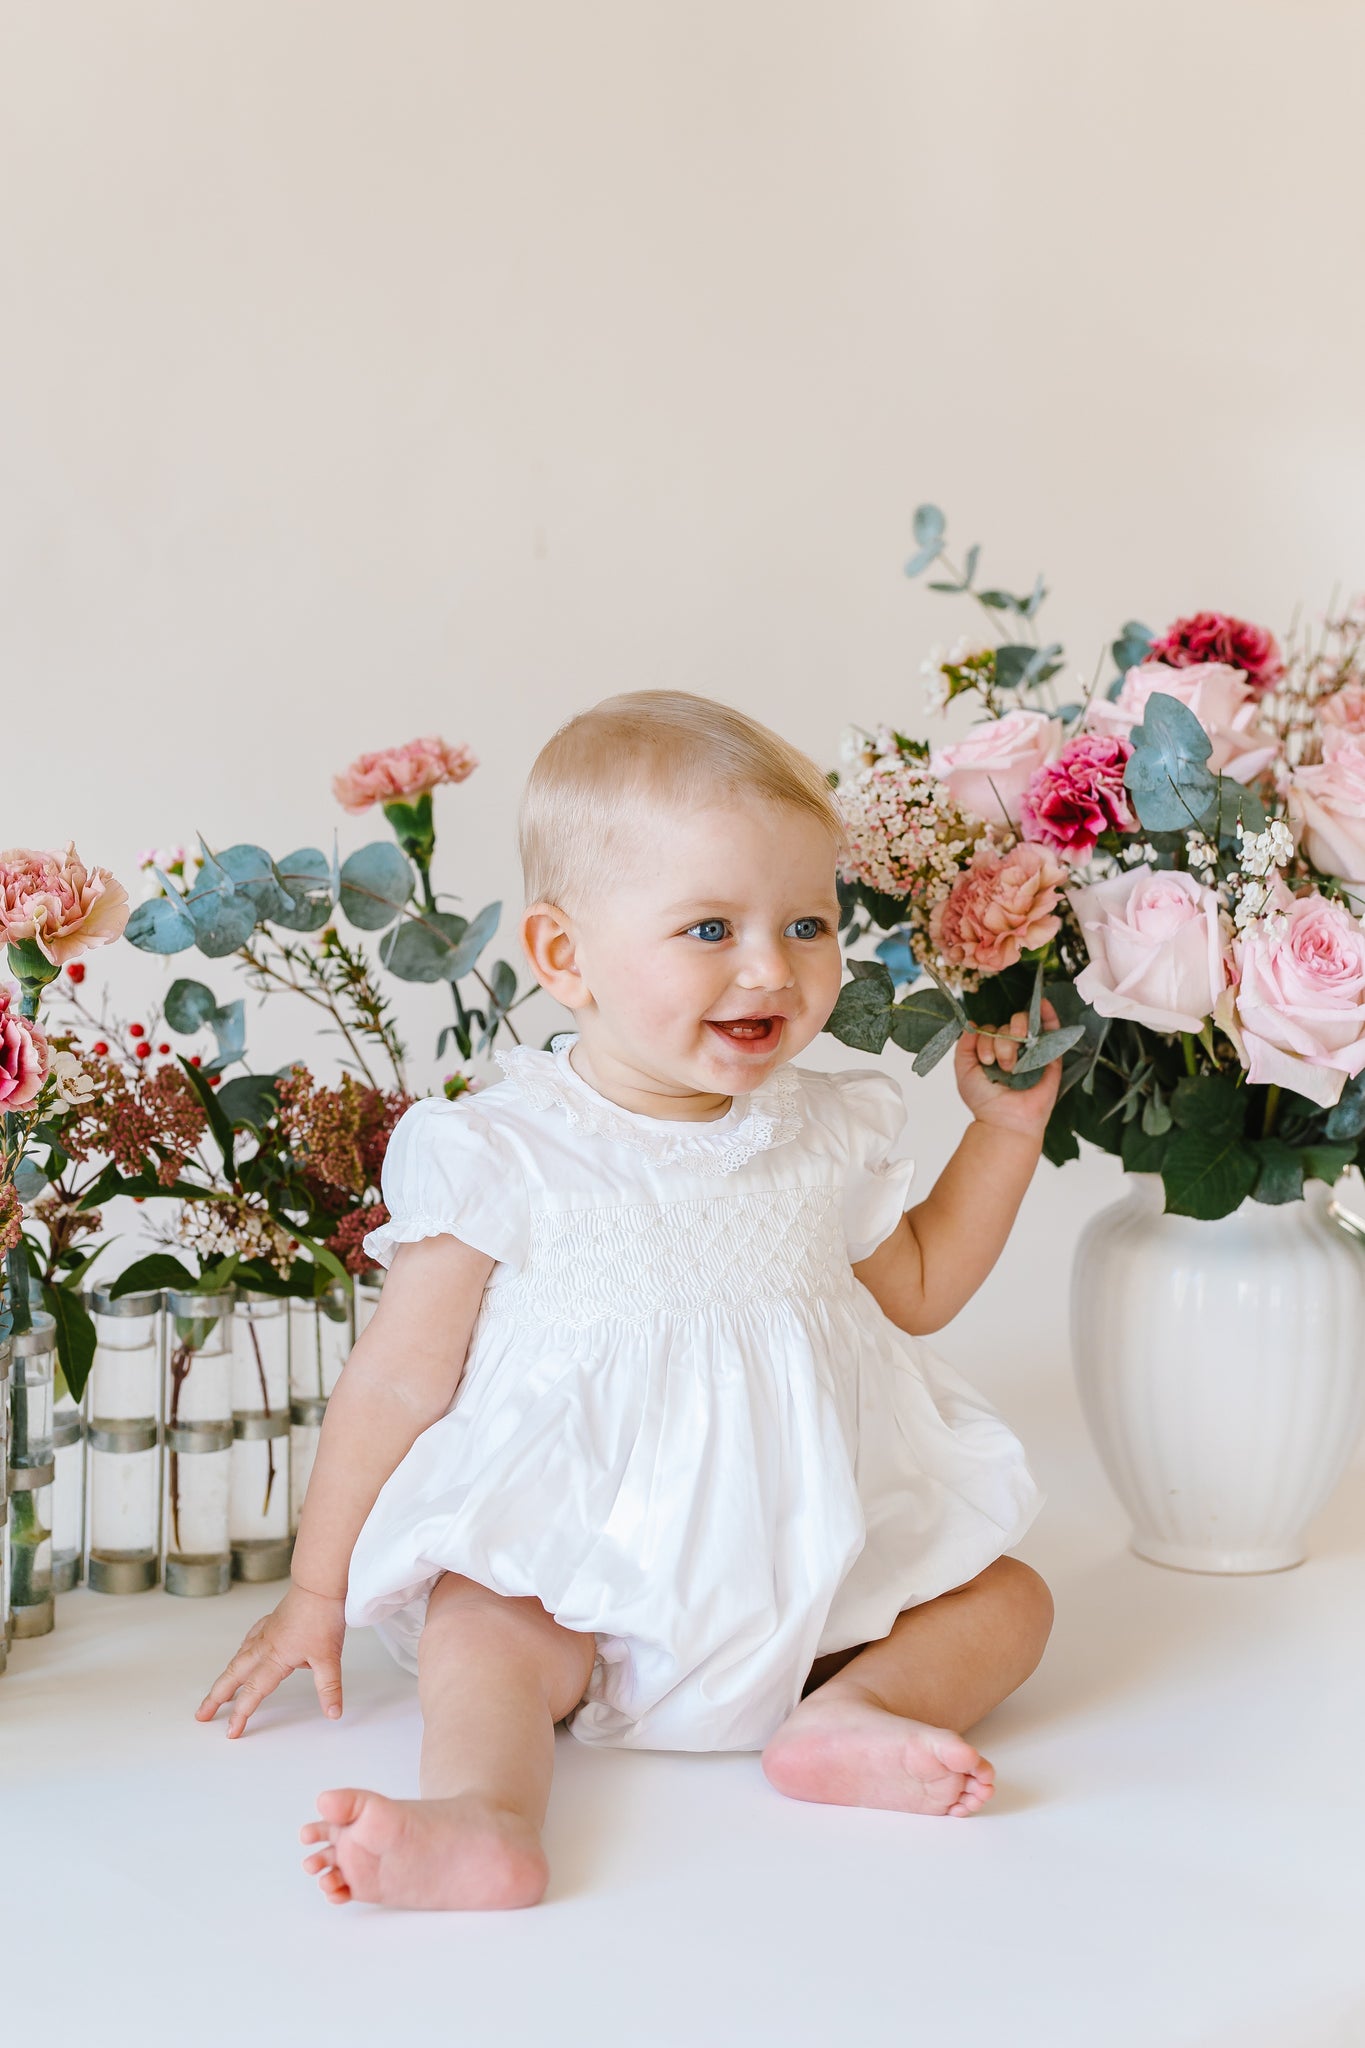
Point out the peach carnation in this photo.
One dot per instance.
(59, 903)
(396, 773)
(1001, 907)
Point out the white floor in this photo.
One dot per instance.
(1174, 1857)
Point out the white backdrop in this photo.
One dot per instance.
(368, 371)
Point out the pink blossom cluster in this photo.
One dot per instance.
(394, 774)
(61, 905)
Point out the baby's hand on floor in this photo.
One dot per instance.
(1025, 1110)
(305, 1629)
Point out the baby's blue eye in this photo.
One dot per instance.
(806, 927)
(710, 929)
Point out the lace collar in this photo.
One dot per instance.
(753, 1123)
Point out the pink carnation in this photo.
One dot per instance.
(1345, 710)
(395, 773)
(1079, 795)
(1000, 907)
(1217, 636)
(59, 903)
(24, 1056)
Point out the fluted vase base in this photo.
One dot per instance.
(1182, 1557)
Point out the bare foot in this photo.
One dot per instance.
(842, 1748)
(451, 1854)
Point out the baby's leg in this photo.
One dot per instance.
(881, 1731)
(494, 1676)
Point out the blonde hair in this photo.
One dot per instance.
(648, 747)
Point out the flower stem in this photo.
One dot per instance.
(1191, 1064)
(1272, 1110)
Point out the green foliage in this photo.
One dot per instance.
(1171, 788)
(157, 1270)
(161, 925)
(75, 1334)
(930, 528)
(376, 882)
(307, 887)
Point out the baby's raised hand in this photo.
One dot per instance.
(305, 1629)
(1025, 1110)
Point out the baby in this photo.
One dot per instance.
(642, 1436)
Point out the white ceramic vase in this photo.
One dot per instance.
(1221, 1369)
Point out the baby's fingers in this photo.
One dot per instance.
(225, 1685)
(327, 1679)
(258, 1685)
(1007, 1046)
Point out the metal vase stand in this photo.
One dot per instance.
(31, 1471)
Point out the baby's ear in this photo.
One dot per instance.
(548, 936)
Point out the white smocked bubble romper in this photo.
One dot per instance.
(683, 1425)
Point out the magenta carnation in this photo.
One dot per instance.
(24, 1057)
(1217, 636)
(1071, 800)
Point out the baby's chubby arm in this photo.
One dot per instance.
(399, 1379)
(942, 1250)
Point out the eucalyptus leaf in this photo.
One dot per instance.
(224, 917)
(1346, 1119)
(305, 878)
(228, 1025)
(480, 931)
(919, 1018)
(1132, 646)
(160, 925)
(930, 526)
(928, 1056)
(1050, 1046)
(421, 947)
(1171, 787)
(253, 874)
(29, 1180)
(188, 1006)
(862, 1015)
(376, 882)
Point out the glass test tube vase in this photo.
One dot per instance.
(33, 1359)
(68, 1486)
(262, 1542)
(321, 1333)
(123, 1444)
(196, 1541)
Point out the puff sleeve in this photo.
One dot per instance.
(880, 1168)
(449, 1169)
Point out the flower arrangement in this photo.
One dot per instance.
(1176, 863)
(52, 910)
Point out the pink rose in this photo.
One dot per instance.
(1218, 637)
(988, 771)
(1326, 806)
(1000, 907)
(1298, 1011)
(1218, 696)
(395, 773)
(1345, 710)
(1079, 795)
(55, 900)
(1156, 948)
(23, 1055)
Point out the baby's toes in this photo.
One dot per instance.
(334, 1888)
(315, 1831)
(319, 1862)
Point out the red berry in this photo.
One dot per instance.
(163, 1048)
(139, 1198)
(99, 1048)
(137, 1030)
(143, 1050)
(196, 1059)
(75, 972)
(214, 1079)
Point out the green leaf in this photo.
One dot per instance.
(1050, 1046)
(1133, 645)
(421, 946)
(160, 925)
(1237, 804)
(253, 873)
(305, 878)
(862, 1015)
(1209, 1103)
(928, 1056)
(218, 1123)
(75, 1335)
(375, 884)
(1060, 1144)
(188, 1006)
(251, 1099)
(1326, 1162)
(1143, 1151)
(228, 1025)
(997, 600)
(1156, 1115)
(1346, 1119)
(1280, 1171)
(930, 526)
(503, 982)
(158, 1270)
(1208, 1174)
(224, 917)
(922, 1017)
(481, 929)
(29, 1180)
(1171, 788)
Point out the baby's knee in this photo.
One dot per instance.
(1029, 1597)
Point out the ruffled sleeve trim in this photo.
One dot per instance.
(448, 1173)
(880, 1166)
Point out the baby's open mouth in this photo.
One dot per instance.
(756, 1031)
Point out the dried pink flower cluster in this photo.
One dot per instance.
(59, 903)
(905, 836)
(393, 774)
